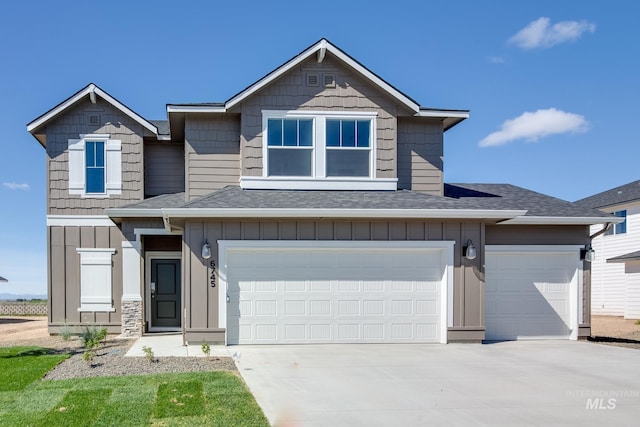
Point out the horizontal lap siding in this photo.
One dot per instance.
(70, 126)
(201, 300)
(64, 274)
(420, 155)
(163, 168)
(212, 153)
(609, 279)
(290, 92)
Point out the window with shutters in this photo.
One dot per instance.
(95, 168)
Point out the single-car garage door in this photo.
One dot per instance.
(531, 292)
(292, 293)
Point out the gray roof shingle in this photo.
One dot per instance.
(622, 194)
(162, 125)
(633, 256)
(507, 196)
(457, 196)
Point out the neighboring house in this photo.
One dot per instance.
(614, 273)
(308, 208)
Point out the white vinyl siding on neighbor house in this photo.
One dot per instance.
(608, 280)
(532, 292)
(300, 292)
(95, 279)
(95, 166)
(632, 300)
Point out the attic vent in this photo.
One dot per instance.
(94, 119)
(329, 80)
(313, 80)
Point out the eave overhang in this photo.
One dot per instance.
(449, 118)
(91, 90)
(314, 213)
(557, 220)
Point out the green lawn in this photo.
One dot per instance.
(194, 399)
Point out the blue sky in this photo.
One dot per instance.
(552, 86)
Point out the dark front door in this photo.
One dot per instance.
(165, 293)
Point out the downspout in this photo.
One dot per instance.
(607, 226)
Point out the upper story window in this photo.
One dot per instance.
(620, 228)
(95, 168)
(319, 145)
(94, 154)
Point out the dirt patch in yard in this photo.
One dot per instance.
(615, 327)
(28, 330)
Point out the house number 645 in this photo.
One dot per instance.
(212, 278)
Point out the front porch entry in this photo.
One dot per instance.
(163, 291)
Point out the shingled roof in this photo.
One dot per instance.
(622, 194)
(500, 202)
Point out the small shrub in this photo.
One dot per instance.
(148, 353)
(65, 332)
(206, 349)
(88, 356)
(638, 322)
(92, 337)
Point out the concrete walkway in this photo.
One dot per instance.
(165, 345)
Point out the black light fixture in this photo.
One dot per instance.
(206, 250)
(587, 254)
(469, 251)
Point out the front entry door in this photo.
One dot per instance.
(165, 293)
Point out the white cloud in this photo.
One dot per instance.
(16, 186)
(496, 60)
(540, 33)
(532, 126)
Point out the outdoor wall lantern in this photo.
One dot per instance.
(469, 251)
(587, 254)
(206, 250)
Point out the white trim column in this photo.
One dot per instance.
(132, 316)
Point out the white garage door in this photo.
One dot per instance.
(531, 293)
(334, 295)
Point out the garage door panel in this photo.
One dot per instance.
(527, 294)
(336, 302)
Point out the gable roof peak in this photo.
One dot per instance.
(92, 91)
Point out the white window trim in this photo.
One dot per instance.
(96, 284)
(445, 247)
(319, 180)
(112, 166)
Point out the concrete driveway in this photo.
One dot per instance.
(524, 383)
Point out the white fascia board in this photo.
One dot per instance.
(322, 44)
(92, 88)
(340, 213)
(195, 109)
(558, 220)
(79, 221)
(443, 114)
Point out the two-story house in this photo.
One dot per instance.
(615, 272)
(308, 208)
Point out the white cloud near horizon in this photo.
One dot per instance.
(541, 34)
(16, 186)
(531, 126)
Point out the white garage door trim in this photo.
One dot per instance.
(446, 291)
(576, 287)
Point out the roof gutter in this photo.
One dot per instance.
(559, 220)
